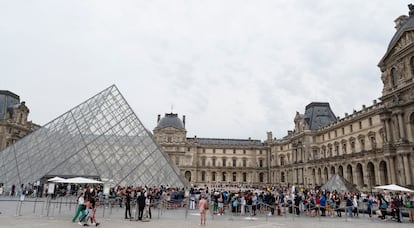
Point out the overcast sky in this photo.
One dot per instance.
(236, 69)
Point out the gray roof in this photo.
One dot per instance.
(170, 120)
(226, 142)
(319, 114)
(408, 26)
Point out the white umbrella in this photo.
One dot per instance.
(80, 180)
(394, 187)
(56, 179)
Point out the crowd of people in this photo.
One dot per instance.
(273, 200)
(310, 202)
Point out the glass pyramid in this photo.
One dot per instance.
(101, 137)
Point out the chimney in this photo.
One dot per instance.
(374, 102)
(159, 118)
(269, 136)
(363, 107)
(346, 114)
(184, 120)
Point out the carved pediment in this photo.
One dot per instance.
(406, 39)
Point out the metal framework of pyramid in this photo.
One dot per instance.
(101, 137)
(339, 184)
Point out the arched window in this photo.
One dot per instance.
(213, 176)
(261, 177)
(394, 77)
(244, 177)
(223, 178)
(234, 176)
(282, 177)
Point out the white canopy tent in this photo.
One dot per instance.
(56, 179)
(80, 180)
(394, 187)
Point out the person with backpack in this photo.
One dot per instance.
(383, 205)
(409, 205)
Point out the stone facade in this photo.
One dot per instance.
(13, 119)
(369, 147)
(210, 160)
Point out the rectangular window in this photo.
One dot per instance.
(370, 121)
(360, 124)
(224, 162)
(343, 131)
(244, 177)
(234, 162)
(260, 163)
(244, 163)
(203, 176)
(214, 162)
(350, 128)
(213, 176)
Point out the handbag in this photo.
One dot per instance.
(206, 206)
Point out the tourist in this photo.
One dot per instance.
(409, 205)
(128, 205)
(148, 205)
(80, 208)
(141, 204)
(203, 206)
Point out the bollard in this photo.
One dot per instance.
(186, 208)
(43, 207)
(103, 211)
(34, 207)
(60, 205)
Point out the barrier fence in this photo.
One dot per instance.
(66, 206)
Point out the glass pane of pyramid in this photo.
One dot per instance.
(102, 137)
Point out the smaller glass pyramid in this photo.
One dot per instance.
(101, 137)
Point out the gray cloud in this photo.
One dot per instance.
(236, 69)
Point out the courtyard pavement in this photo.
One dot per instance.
(39, 213)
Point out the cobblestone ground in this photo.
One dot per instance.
(38, 213)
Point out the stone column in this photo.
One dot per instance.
(387, 125)
(401, 125)
(395, 131)
(407, 169)
(386, 129)
(390, 171)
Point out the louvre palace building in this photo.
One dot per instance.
(368, 147)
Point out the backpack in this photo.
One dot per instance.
(384, 203)
(408, 204)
